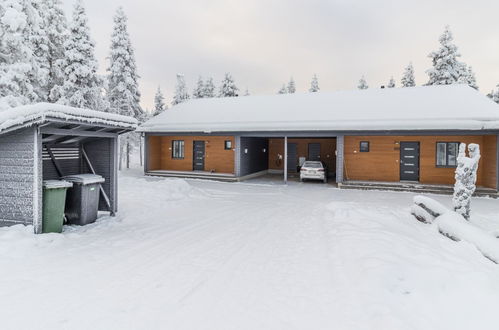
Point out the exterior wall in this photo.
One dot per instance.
(254, 155)
(328, 151)
(217, 159)
(20, 189)
(381, 163)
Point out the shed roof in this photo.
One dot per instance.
(40, 113)
(450, 107)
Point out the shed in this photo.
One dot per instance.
(46, 141)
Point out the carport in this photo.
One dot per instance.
(47, 141)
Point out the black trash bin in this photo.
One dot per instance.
(82, 201)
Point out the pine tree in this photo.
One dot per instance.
(362, 83)
(123, 87)
(468, 76)
(291, 86)
(408, 77)
(447, 69)
(159, 102)
(209, 88)
(181, 94)
(56, 28)
(228, 87)
(198, 92)
(283, 90)
(314, 84)
(391, 83)
(19, 30)
(246, 92)
(82, 87)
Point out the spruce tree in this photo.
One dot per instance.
(408, 77)
(314, 84)
(391, 83)
(362, 83)
(181, 94)
(209, 88)
(198, 92)
(82, 87)
(20, 74)
(228, 87)
(468, 77)
(159, 102)
(56, 28)
(283, 90)
(291, 86)
(246, 92)
(446, 69)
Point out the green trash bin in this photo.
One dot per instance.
(54, 200)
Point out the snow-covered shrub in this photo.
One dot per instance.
(465, 176)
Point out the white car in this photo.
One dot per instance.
(313, 170)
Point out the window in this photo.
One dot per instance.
(177, 149)
(447, 154)
(364, 146)
(228, 145)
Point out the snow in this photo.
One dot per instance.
(84, 179)
(192, 254)
(442, 107)
(431, 204)
(54, 184)
(40, 112)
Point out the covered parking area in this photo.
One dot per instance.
(283, 154)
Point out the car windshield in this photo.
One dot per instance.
(312, 164)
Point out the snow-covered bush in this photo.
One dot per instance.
(363, 83)
(465, 176)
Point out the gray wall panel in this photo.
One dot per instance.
(254, 155)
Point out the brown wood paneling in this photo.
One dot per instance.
(381, 163)
(154, 153)
(328, 151)
(217, 159)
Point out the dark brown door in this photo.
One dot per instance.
(409, 161)
(198, 156)
(314, 151)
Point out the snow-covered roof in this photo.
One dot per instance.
(42, 112)
(457, 107)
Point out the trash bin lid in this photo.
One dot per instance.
(84, 179)
(56, 184)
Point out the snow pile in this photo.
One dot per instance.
(425, 107)
(41, 112)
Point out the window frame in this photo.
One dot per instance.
(368, 146)
(447, 143)
(181, 149)
(225, 145)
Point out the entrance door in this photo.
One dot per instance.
(198, 153)
(314, 151)
(292, 157)
(409, 161)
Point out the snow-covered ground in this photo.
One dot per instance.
(208, 255)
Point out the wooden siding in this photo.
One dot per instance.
(17, 177)
(328, 151)
(217, 159)
(381, 163)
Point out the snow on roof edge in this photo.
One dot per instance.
(27, 115)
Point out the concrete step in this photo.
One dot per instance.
(206, 176)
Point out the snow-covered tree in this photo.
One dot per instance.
(468, 76)
(466, 175)
(82, 87)
(446, 69)
(20, 73)
(391, 83)
(199, 90)
(246, 92)
(181, 94)
(209, 88)
(228, 87)
(283, 90)
(362, 83)
(494, 94)
(291, 86)
(408, 77)
(56, 28)
(314, 84)
(159, 102)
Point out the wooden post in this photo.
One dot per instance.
(285, 160)
(128, 154)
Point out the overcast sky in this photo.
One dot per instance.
(265, 42)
